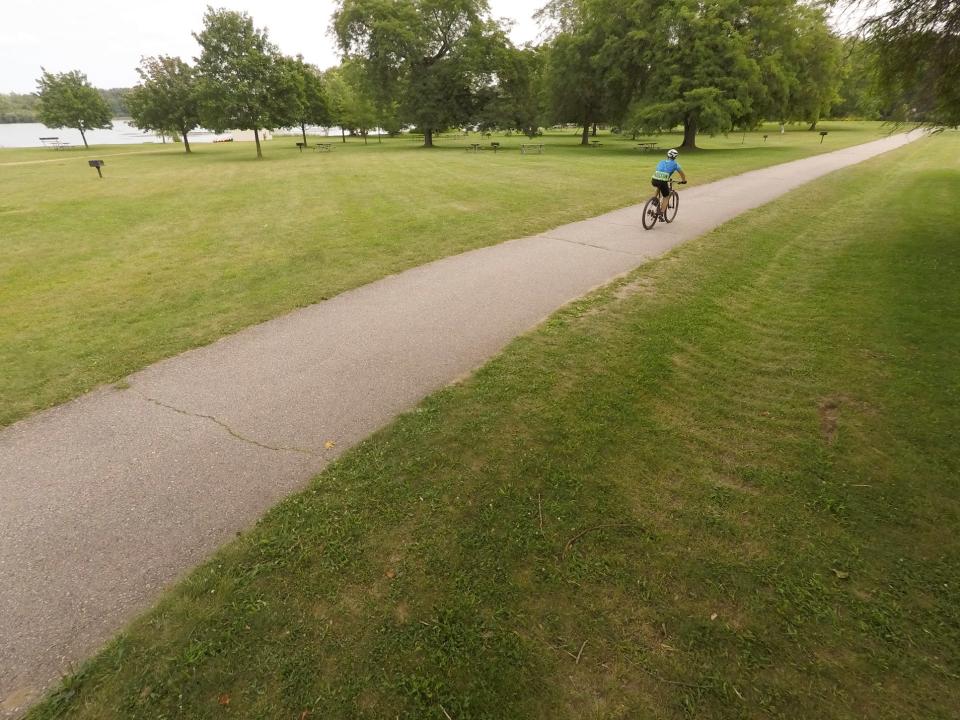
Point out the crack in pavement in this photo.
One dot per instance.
(596, 247)
(226, 427)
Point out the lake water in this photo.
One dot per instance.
(123, 133)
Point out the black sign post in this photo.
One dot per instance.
(823, 134)
(97, 164)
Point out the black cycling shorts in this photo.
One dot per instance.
(662, 185)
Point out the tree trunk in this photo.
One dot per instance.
(585, 138)
(364, 133)
(813, 125)
(379, 135)
(343, 135)
(594, 132)
(84, 136)
(689, 133)
(303, 131)
(186, 140)
(256, 136)
(428, 138)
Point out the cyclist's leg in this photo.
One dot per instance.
(665, 199)
(663, 192)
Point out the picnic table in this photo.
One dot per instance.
(596, 143)
(493, 146)
(473, 147)
(531, 148)
(323, 147)
(55, 142)
(646, 146)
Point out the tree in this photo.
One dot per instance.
(165, 101)
(858, 93)
(352, 100)
(918, 52)
(310, 105)
(433, 57)
(597, 59)
(68, 100)
(116, 100)
(573, 92)
(515, 101)
(816, 58)
(704, 72)
(338, 95)
(241, 79)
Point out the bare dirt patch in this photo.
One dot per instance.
(829, 411)
(641, 286)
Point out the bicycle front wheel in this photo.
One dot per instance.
(650, 212)
(673, 204)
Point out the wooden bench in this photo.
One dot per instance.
(531, 148)
(646, 146)
(55, 142)
(323, 147)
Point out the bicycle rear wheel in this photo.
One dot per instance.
(650, 212)
(673, 204)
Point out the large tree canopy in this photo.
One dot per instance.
(859, 96)
(918, 52)
(811, 60)
(704, 73)
(514, 101)
(433, 56)
(704, 65)
(598, 58)
(68, 100)
(165, 101)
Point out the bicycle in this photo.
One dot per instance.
(651, 211)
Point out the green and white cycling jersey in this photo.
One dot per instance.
(666, 168)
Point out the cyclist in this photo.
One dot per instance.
(661, 176)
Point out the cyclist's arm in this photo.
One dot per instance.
(682, 175)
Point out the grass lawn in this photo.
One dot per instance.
(723, 487)
(99, 278)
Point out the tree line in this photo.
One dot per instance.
(642, 66)
(22, 107)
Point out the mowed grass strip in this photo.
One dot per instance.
(724, 487)
(99, 278)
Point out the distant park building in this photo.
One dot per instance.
(247, 135)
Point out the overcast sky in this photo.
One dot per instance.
(106, 38)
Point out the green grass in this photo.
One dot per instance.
(723, 487)
(100, 278)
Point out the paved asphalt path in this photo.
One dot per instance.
(106, 500)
